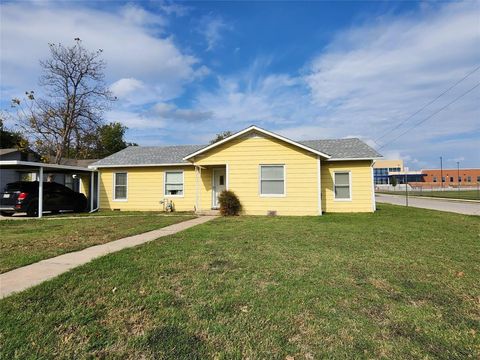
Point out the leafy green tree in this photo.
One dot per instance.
(107, 140)
(11, 139)
(393, 181)
(221, 136)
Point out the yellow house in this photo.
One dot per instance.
(268, 172)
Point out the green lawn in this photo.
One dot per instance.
(450, 194)
(23, 242)
(118, 213)
(400, 283)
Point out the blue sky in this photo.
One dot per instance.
(184, 71)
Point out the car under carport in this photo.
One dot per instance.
(89, 179)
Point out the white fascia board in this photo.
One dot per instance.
(256, 128)
(354, 159)
(44, 165)
(137, 165)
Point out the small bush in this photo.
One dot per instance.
(229, 203)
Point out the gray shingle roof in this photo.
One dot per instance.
(154, 155)
(149, 155)
(351, 148)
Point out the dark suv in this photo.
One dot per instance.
(22, 196)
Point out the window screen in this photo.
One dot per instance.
(174, 183)
(120, 186)
(272, 180)
(342, 185)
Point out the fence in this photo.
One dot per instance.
(461, 192)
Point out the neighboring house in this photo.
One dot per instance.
(268, 172)
(12, 175)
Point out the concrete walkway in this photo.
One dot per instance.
(30, 275)
(456, 206)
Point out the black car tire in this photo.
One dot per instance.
(6, 213)
(32, 209)
(80, 205)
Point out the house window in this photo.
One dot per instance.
(342, 186)
(174, 183)
(443, 179)
(459, 179)
(272, 180)
(120, 186)
(478, 178)
(69, 181)
(451, 178)
(434, 179)
(469, 179)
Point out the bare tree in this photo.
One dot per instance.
(75, 98)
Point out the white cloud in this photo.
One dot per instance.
(132, 49)
(365, 82)
(172, 8)
(135, 120)
(170, 112)
(373, 76)
(368, 79)
(124, 87)
(138, 16)
(213, 27)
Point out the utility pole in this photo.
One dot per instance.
(458, 175)
(441, 171)
(406, 189)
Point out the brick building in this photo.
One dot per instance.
(451, 177)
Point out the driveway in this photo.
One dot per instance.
(456, 206)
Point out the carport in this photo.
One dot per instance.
(85, 175)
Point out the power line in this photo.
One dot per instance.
(430, 116)
(426, 105)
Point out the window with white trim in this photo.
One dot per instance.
(120, 186)
(174, 183)
(342, 188)
(272, 180)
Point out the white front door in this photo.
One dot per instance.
(219, 184)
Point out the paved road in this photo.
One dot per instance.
(461, 207)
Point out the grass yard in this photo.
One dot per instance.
(111, 213)
(23, 242)
(450, 194)
(400, 283)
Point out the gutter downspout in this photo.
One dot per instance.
(40, 192)
(374, 201)
(196, 189)
(319, 185)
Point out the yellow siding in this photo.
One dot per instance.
(146, 189)
(361, 180)
(244, 156)
(85, 185)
